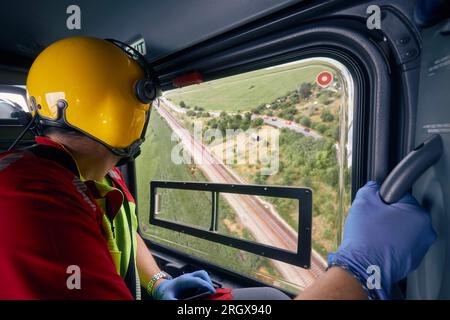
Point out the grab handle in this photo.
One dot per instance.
(403, 176)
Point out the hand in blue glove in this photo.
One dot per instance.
(174, 288)
(393, 238)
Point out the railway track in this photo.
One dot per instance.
(259, 218)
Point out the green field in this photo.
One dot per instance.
(155, 164)
(246, 91)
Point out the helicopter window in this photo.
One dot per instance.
(9, 103)
(284, 125)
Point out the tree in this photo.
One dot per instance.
(212, 123)
(182, 104)
(333, 131)
(258, 122)
(294, 97)
(245, 124)
(305, 121)
(321, 127)
(326, 116)
(223, 127)
(331, 176)
(235, 124)
(291, 110)
(286, 105)
(305, 90)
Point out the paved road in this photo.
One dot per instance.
(257, 216)
(291, 125)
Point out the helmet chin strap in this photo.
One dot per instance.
(131, 158)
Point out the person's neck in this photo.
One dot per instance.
(93, 159)
(93, 167)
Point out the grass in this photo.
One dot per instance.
(155, 164)
(245, 91)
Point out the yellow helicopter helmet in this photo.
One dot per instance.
(95, 87)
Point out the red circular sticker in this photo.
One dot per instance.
(324, 78)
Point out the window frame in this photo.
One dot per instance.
(300, 258)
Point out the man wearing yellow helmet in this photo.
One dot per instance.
(90, 100)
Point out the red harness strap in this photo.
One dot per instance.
(221, 294)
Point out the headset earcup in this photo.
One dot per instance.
(145, 90)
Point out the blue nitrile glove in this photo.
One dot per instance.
(393, 238)
(173, 289)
